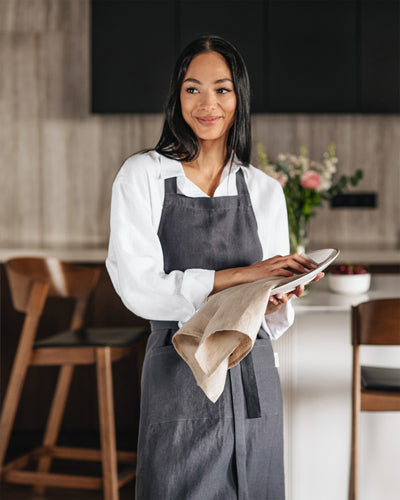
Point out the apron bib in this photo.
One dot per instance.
(190, 448)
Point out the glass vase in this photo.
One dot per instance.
(298, 235)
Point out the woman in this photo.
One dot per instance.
(189, 219)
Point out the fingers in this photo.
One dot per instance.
(280, 298)
(286, 266)
(281, 271)
(274, 300)
(274, 304)
(319, 276)
(298, 258)
(298, 291)
(292, 263)
(283, 298)
(299, 263)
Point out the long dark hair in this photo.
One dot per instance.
(177, 140)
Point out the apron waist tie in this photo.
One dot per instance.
(163, 325)
(250, 387)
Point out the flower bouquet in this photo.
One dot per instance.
(306, 184)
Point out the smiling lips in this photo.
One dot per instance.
(207, 120)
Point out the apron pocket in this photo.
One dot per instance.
(170, 392)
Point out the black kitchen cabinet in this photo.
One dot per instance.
(380, 56)
(133, 51)
(303, 56)
(312, 57)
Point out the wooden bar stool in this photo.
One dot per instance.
(376, 322)
(31, 281)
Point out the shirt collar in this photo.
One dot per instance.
(173, 168)
(170, 168)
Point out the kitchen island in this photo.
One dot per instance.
(316, 374)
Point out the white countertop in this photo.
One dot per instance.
(70, 254)
(98, 254)
(318, 298)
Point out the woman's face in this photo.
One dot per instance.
(208, 98)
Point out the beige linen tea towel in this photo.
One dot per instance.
(223, 332)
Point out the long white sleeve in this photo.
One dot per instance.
(135, 259)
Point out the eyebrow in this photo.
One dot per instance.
(221, 80)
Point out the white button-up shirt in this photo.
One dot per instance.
(135, 258)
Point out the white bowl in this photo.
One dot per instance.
(349, 284)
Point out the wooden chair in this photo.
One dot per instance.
(376, 322)
(31, 281)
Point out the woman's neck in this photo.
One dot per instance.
(211, 159)
(205, 171)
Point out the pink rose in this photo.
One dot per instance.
(310, 180)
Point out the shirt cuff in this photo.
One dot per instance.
(197, 284)
(276, 323)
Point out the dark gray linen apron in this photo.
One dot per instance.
(190, 448)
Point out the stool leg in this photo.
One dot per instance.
(55, 417)
(20, 367)
(356, 407)
(107, 423)
(12, 398)
(354, 459)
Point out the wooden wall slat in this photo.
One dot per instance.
(59, 160)
(23, 16)
(68, 15)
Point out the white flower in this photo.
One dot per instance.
(305, 164)
(330, 166)
(325, 185)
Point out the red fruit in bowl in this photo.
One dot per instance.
(349, 269)
(360, 270)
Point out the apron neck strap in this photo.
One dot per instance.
(241, 183)
(170, 185)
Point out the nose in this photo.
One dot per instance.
(208, 99)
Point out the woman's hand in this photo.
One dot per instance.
(279, 265)
(276, 301)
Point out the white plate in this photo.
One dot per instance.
(322, 258)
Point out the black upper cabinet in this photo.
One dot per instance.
(240, 22)
(380, 57)
(312, 57)
(320, 56)
(133, 51)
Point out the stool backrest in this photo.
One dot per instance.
(376, 322)
(33, 279)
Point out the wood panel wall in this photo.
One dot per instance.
(58, 161)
